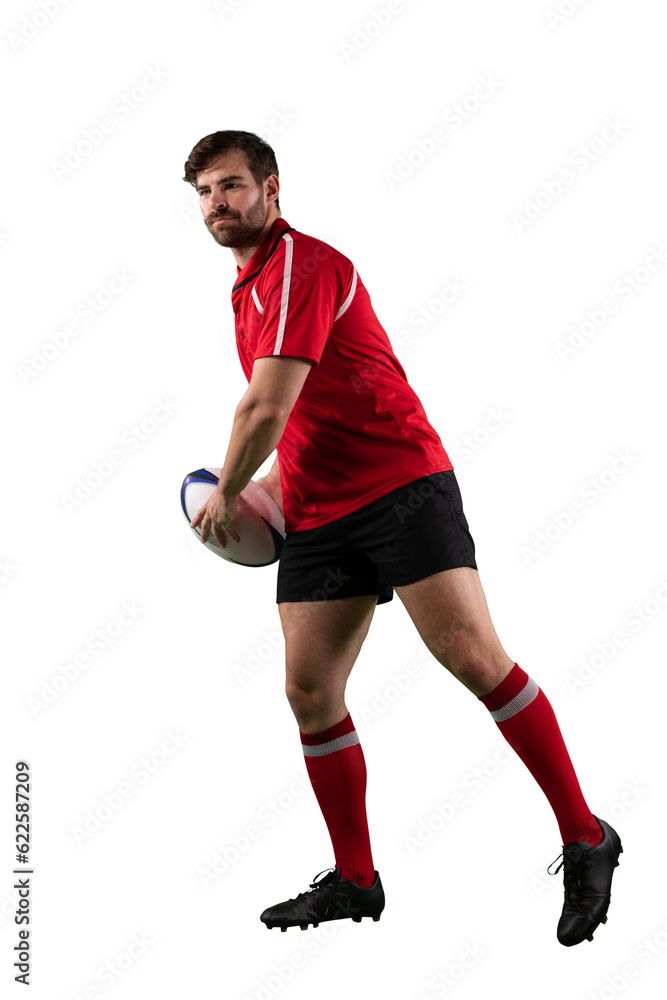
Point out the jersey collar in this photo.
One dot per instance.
(260, 253)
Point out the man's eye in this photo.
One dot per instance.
(204, 191)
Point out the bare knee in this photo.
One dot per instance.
(315, 708)
(304, 700)
(480, 669)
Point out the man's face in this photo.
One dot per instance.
(232, 203)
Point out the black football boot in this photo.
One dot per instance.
(332, 898)
(587, 873)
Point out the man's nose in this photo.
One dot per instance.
(215, 203)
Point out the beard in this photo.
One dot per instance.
(242, 229)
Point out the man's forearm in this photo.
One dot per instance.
(254, 436)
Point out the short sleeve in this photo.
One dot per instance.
(299, 297)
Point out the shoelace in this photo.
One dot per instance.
(573, 860)
(315, 885)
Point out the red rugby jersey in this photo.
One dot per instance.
(357, 430)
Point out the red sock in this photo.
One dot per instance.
(527, 721)
(337, 771)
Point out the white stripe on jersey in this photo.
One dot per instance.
(256, 300)
(287, 276)
(348, 300)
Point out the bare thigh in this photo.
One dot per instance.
(450, 612)
(322, 642)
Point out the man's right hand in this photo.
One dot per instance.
(273, 488)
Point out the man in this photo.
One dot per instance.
(371, 506)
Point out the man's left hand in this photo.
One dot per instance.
(215, 516)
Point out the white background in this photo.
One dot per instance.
(342, 100)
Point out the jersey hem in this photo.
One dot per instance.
(377, 494)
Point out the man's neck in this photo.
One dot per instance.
(243, 254)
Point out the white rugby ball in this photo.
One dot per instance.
(258, 521)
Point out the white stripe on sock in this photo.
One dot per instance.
(523, 698)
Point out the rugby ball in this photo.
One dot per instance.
(258, 522)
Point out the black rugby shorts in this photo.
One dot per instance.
(415, 531)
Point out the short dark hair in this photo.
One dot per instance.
(260, 156)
